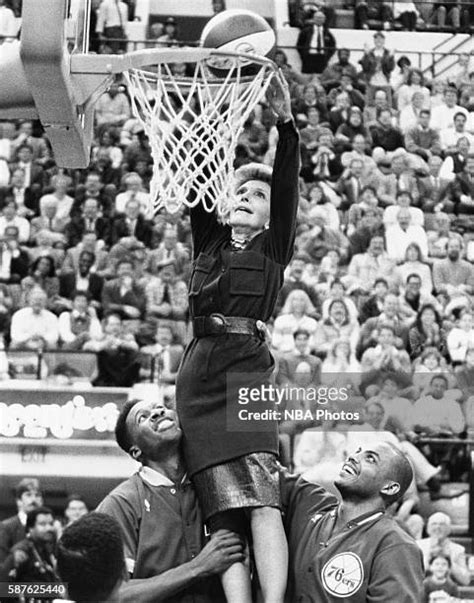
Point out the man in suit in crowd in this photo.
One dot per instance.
(122, 294)
(463, 188)
(26, 197)
(161, 360)
(83, 279)
(434, 189)
(315, 44)
(88, 220)
(132, 224)
(28, 497)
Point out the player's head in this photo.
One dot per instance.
(380, 473)
(147, 430)
(251, 203)
(91, 559)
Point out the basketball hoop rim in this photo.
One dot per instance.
(82, 63)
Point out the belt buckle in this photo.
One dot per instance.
(218, 323)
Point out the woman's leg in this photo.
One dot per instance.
(236, 579)
(270, 551)
(236, 584)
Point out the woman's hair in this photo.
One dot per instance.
(418, 249)
(314, 186)
(410, 76)
(288, 305)
(52, 268)
(423, 308)
(342, 303)
(253, 171)
(337, 344)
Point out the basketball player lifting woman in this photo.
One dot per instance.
(237, 274)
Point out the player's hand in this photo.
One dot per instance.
(223, 550)
(278, 97)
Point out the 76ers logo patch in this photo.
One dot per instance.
(342, 576)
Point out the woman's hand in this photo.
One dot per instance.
(278, 97)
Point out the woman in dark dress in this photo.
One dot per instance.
(237, 274)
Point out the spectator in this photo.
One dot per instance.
(32, 559)
(315, 44)
(352, 182)
(463, 189)
(442, 117)
(289, 362)
(82, 280)
(89, 220)
(34, 327)
(321, 205)
(403, 200)
(385, 356)
(414, 264)
(438, 239)
(48, 220)
(406, 12)
(10, 217)
(167, 297)
(397, 408)
(455, 161)
(372, 9)
(322, 239)
(332, 75)
(295, 315)
(438, 528)
(122, 294)
(294, 280)
(64, 202)
(161, 359)
(134, 189)
(450, 136)
(399, 179)
(117, 356)
(14, 261)
(169, 248)
(384, 134)
(108, 143)
(436, 413)
(337, 291)
(27, 497)
(169, 37)
(453, 276)
(434, 190)
(112, 18)
(400, 235)
(409, 115)
(421, 139)
(340, 360)
(373, 307)
(88, 243)
(76, 508)
(138, 151)
(438, 580)
(414, 83)
(461, 338)
(427, 331)
(90, 558)
(451, 10)
(338, 325)
(42, 274)
(132, 223)
(377, 65)
(364, 268)
(26, 198)
(93, 187)
(79, 325)
(368, 223)
(390, 315)
(33, 173)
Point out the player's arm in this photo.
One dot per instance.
(224, 549)
(396, 575)
(302, 500)
(285, 180)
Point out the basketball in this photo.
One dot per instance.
(237, 31)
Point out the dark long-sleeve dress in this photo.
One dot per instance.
(242, 283)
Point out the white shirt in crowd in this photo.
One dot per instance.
(26, 324)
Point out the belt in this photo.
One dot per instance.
(218, 324)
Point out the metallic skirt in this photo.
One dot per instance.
(247, 481)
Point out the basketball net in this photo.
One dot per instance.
(193, 125)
